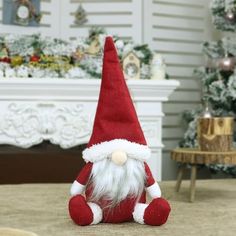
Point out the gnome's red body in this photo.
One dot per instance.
(116, 137)
(123, 211)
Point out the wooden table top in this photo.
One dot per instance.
(196, 156)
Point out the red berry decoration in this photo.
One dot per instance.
(34, 58)
(5, 59)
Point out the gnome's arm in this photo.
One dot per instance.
(152, 187)
(81, 181)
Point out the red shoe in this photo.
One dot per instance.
(157, 212)
(79, 210)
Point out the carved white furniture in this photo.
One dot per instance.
(62, 111)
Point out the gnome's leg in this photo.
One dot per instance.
(154, 213)
(84, 213)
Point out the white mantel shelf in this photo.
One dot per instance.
(62, 111)
(88, 89)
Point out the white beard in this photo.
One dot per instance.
(114, 183)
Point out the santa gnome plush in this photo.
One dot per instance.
(116, 177)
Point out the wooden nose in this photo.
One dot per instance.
(119, 157)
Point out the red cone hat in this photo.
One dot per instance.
(116, 125)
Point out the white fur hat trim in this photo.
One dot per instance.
(103, 150)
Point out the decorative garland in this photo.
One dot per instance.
(37, 56)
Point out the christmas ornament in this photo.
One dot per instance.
(5, 60)
(131, 66)
(116, 175)
(158, 67)
(35, 58)
(16, 61)
(80, 16)
(25, 12)
(230, 15)
(227, 65)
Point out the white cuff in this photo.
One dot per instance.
(76, 188)
(97, 213)
(139, 212)
(154, 190)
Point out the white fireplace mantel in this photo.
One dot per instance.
(62, 111)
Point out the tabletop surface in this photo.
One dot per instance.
(198, 151)
(196, 156)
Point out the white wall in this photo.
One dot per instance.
(121, 17)
(174, 28)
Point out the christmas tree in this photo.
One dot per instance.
(218, 77)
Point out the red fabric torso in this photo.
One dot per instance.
(121, 212)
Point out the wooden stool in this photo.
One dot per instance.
(193, 157)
